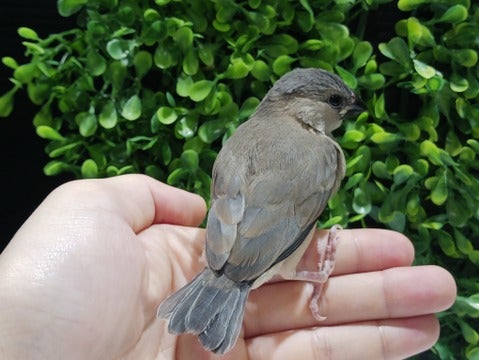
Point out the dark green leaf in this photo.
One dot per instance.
(69, 7)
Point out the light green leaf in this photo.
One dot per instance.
(46, 132)
(347, 77)
(28, 33)
(166, 115)
(87, 123)
(455, 14)
(282, 64)
(108, 117)
(132, 108)
(402, 173)
(9, 62)
(361, 54)
(89, 169)
(423, 69)
(440, 192)
(55, 167)
(6, 103)
(183, 85)
(119, 49)
(200, 90)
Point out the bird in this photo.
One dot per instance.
(270, 182)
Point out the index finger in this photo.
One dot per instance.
(363, 250)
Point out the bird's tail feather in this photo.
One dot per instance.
(210, 306)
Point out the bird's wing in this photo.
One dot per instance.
(262, 209)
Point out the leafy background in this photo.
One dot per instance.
(156, 87)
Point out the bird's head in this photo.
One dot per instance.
(315, 97)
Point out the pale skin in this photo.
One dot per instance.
(84, 275)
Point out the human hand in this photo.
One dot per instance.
(84, 275)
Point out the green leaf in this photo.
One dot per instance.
(108, 117)
(183, 85)
(402, 173)
(384, 138)
(190, 160)
(190, 62)
(408, 5)
(163, 57)
(63, 149)
(447, 244)
(353, 135)
(184, 37)
(176, 176)
(465, 57)
(239, 67)
(186, 127)
(455, 14)
(425, 70)
(373, 81)
(248, 107)
(26, 73)
(440, 192)
(361, 54)
(55, 167)
(6, 103)
(396, 49)
(463, 244)
(132, 108)
(347, 77)
(95, 63)
(166, 115)
(458, 84)
(211, 130)
(282, 64)
(206, 55)
(119, 49)
(261, 70)
(116, 74)
(87, 123)
(418, 33)
(307, 22)
(200, 90)
(429, 149)
(69, 7)
(361, 201)
(28, 33)
(143, 62)
(9, 62)
(89, 169)
(46, 132)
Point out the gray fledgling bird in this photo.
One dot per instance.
(271, 181)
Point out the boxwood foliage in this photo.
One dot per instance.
(155, 87)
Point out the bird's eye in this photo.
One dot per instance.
(335, 100)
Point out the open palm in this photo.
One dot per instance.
(83, 277)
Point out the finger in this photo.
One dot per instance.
(393, 293)
(138, 199)
(387, 339)
(361, 250)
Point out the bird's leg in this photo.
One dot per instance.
(318, 268)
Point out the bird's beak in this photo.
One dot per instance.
(357, 107)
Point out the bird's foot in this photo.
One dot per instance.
(323, 267)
